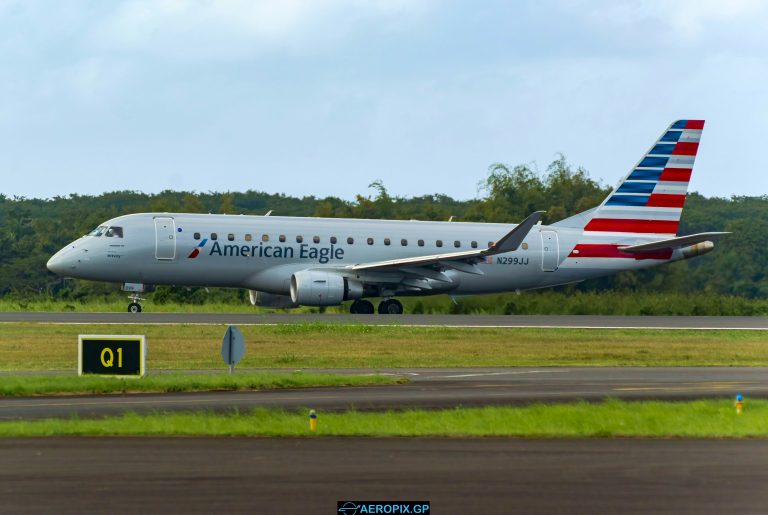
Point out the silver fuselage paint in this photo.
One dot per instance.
(156, 249)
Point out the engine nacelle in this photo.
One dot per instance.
(320, 288)
(270, 300)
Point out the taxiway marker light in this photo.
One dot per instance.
(312, 420)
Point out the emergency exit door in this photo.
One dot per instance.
(165, 238)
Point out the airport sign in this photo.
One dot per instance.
(232, 347)
(112, 355)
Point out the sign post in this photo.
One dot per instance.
(113, 355)
(232, 347)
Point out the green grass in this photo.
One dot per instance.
(21, 385)
(28, 346)
(613, 418)
(536, 302)
(120, 304)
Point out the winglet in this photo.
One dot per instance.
(510, 241)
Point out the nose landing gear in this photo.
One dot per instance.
(134, 289)
(134, 306)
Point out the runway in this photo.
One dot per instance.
(457, 476)
(429, 388)
(551, 321)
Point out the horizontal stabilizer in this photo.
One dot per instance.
(673, 243)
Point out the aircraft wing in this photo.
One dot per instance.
(673, 243)
(459, 260)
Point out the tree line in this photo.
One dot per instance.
(31, 230)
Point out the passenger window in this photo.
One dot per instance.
(197, 235)
(214, 236)
(316, 239)
(350, 240)
(281, 238)
(265, 237)
(370, 241)
(299, 239)
(333, 239)
(404, 242)
(473, 244)
(457, 244)
(421, 243)
(231, 237)
(386, 241)
(439, 243)
(248, 237)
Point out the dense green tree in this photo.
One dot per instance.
(31, 230)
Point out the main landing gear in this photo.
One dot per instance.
(390, 307)
(361, 307)
(386, 307)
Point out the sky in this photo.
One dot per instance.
(323, 97)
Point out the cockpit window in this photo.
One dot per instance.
(98, 231)
(114, 232)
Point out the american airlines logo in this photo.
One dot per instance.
(196, 251)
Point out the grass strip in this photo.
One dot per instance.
(28, 346)
(612, 418)
(540, 302)
(26, 385)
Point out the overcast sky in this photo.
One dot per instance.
(323, 97)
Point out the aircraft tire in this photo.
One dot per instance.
(134, 307)
(361, 307)
(391, 307)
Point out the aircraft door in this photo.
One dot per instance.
(165, 238)
(550, 251)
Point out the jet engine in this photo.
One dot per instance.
(270, 300)
(321, 288)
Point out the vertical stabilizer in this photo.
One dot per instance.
(649, 201)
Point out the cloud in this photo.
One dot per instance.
(187, 29)
(687, 18)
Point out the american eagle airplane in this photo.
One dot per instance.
(290, 261)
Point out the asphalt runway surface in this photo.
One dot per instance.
(569, 321)
(485, 475)
(429, 388)
(457, 476)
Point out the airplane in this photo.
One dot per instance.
(287, 262)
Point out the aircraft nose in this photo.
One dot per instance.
(63, 261)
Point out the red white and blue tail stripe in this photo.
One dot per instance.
(648, 203)
(650, 198)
